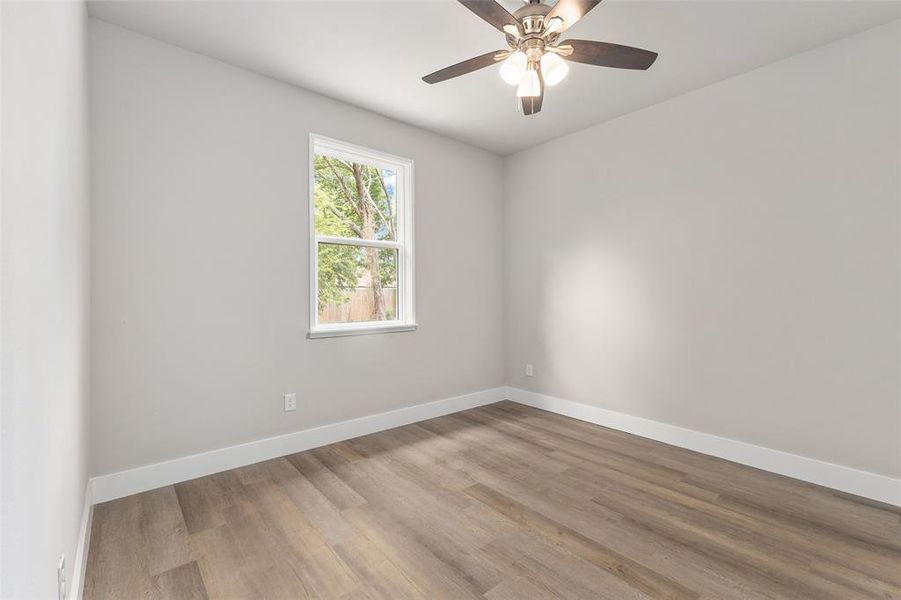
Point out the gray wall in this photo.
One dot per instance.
(726, 261)
(44, 293)
(200, 258)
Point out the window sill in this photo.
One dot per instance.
(364, 330)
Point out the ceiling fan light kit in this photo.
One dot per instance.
(553, 68)
(530, 84)
(535, 57)
(514, 67)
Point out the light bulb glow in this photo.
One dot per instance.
(553, 68)
(513, 68)
(530, 86)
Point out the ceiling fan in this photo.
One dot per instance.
(535, 57)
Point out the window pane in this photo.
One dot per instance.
(354, 199)
(356, 284)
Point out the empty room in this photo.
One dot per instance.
(450, 299)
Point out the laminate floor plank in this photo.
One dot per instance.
(322, 514)
(181, 583)
(864, 558)
(426, 570)
(221, 563)
(163, 530)
(709, 576)
(784, 565)
(117, 562)
(382, 577)
(497, 502)
(200, 500)
(294, 539)
(325, 480)
(589, 550)
(561, 573)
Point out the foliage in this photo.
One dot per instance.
(354, 200)
(339, 271)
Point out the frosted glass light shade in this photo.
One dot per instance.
(513, 68)
(529, 87)
(553, 68)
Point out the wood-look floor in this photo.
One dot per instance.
(502, 501)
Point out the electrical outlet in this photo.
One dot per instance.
(290, 402)
(529, 371)
(61, 577)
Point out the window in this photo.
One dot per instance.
(361, 238)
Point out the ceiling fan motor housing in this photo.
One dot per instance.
(531, 18)
(534, 38)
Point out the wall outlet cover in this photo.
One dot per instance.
(290, 402)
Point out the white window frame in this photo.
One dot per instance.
(403, 167)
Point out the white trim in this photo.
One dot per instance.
(331, 239)
(862, 483)
(349, 151)
(80, 565)
(141, 479)
(404, 242)
(365, 328)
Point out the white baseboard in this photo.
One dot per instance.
(76, 586)
(141, 479)
(846, 479)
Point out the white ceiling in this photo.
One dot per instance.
(372, 53)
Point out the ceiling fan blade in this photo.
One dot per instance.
(490, 11)
(571, 11)
(467, 66)
(604, 54)
(531, 105)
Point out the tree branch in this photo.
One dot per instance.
(366, 196)
(343, 187)
(390, 221)
(381, 216)
(353, 226)
(346, 165)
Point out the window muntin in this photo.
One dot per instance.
(361, 240)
